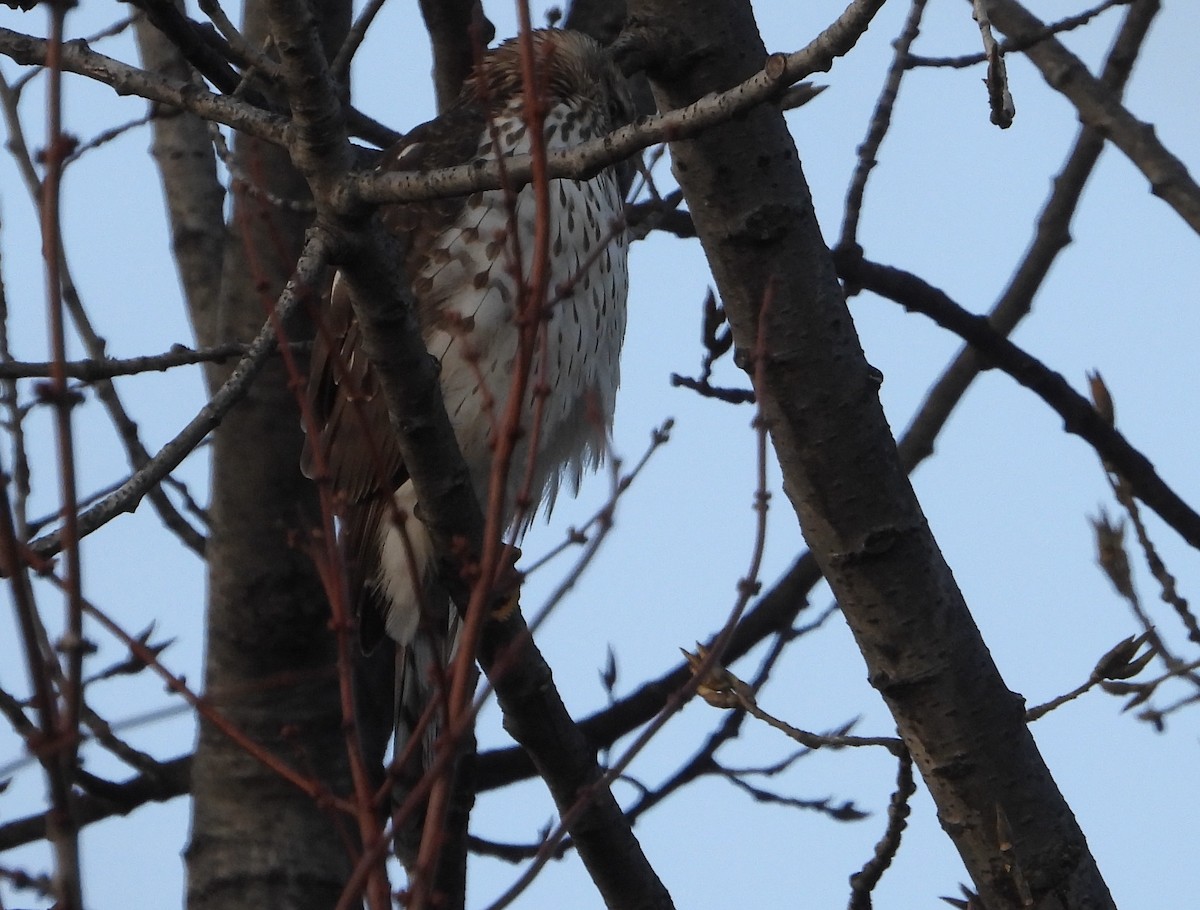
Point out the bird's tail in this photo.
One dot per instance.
(421, 691)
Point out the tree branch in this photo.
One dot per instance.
(96, 369)
(129, 80)
(588, 158)
(172, 778)
(1099, 107)
(1079, 416)
(458, 32)
(881, 121)
(844, 478)
(1052, 236)
(126, 498)
(774, 612)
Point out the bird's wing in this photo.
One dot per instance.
(353, 437)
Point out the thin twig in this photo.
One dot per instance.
(63, 833)
(106, 136)
(863, 882)
(1011, 46)
(1169, 592)
(94, 370)
(881, 120)
(999, 97)
(304, 280)
(15, 423)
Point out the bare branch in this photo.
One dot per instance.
(1011, 46)
(881, 120)
(1123, 490)
(999, 96)
(238, 42)
(1051, 238)
(1079, 417)
(588, 158)
(126, 498)
(340, 67)
(129, 80)
(458, 32)
(198, 49)
(850, 493)
(1118, 663)
(773, 612)
(170, 779)
(94, 370)
(863, 882)
(1099, 107)
(722, 689)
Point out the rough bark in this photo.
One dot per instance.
(256, 841)
(187, 166)
(752, 209)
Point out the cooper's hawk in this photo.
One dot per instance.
(469, 261)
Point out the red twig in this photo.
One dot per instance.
(313, 788)
(330, 569)
(531, 295)
(63, 831)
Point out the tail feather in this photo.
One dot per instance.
(420, 721)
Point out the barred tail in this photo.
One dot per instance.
(420, 715)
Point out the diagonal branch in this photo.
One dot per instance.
(458, 31)
(169, 779)
(1100, 107)
(881, 121)
(844, 478)
(127, 497)
(588, 158)
(1079, 416)
(1051, 238)
(129, 80)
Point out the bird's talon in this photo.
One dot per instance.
(507, 608)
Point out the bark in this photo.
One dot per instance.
(257, 841)
(753, 212)
(187, 165)
(458, 33)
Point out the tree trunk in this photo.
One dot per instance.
(256, 840)
(965, 730)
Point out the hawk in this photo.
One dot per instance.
(469, 261)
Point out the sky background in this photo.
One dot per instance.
(1008, 494)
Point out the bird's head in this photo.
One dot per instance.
(569, 66)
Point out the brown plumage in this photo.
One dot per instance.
(465, 259)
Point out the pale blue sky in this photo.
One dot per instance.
(1007, 494)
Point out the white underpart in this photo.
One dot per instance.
(579, 348)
